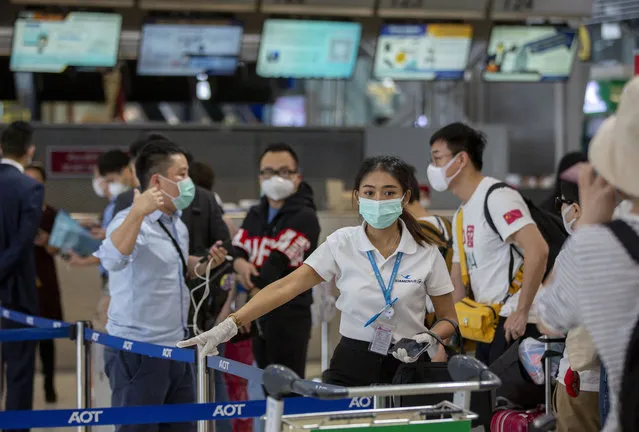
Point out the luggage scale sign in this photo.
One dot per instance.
(201, 5)
(432, 8)
(73, 161)
(320, 7)
(521, 9)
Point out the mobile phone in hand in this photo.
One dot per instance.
(412, 347)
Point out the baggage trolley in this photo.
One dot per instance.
(469, 375)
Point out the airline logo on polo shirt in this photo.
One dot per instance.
(511, 216)
(407, 279)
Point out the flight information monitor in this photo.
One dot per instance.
(51, 43)
(530, 53)
(308, 49)
(423, 51)
(189, 49)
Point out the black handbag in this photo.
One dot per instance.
(425, 371)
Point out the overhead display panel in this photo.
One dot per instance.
(446, 9)
(83, 3)
(320, 7)
(51, 43)
(308, 49)
(189, 49)
(530, 53)
(522, 9)
(423, 51)
(200, 5)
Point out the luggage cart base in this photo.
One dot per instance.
(443, 417)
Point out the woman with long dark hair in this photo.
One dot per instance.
(384, 269)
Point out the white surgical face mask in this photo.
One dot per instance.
(97, 186)
(568, 225)
(278, 188)
(116, 188)
(437, 176)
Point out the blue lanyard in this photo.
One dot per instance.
(386, 290)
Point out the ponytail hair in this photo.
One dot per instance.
(415, 229)
(404, 174)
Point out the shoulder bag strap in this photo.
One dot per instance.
(627, 236)
(487, 214)
(515, 278)
(460, 339)
(185, 268)
(459, 231)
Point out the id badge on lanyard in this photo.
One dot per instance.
(382, 321)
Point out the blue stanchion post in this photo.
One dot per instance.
(202, 389)
(83, 369)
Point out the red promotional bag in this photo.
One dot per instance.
(510, 420)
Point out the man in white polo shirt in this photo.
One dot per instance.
(457, 152)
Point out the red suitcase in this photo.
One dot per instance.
(509, 420)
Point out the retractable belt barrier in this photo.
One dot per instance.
(14, 335)
(42, 328)
(238, 369)
(30, 320)
(168, 413)
(142, 348)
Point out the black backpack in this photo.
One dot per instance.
(628, 396)
(550, 225)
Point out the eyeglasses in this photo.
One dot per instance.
(282, 172)
(560, 201)
(437, 160)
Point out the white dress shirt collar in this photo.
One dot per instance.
(407, 243)
(13, 163)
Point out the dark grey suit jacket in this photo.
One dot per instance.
(21, 200)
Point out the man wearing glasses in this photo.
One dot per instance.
(482, 254)
(276, 237)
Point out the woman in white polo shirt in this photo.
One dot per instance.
(385, 269)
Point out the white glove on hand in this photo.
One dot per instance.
(422, 338)
(209, 340)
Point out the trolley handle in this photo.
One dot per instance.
(469, 375)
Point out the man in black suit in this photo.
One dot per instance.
(22, 200)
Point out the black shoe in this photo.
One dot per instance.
(50, 395)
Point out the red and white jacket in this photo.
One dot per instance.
(278, 247)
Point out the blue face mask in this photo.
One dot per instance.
(186, 194)
(380, 214)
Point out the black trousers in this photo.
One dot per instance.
(488, 353)
(47, 358)
(282, 338)
(353, 365)
(18, 361)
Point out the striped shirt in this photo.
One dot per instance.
(595, 284)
